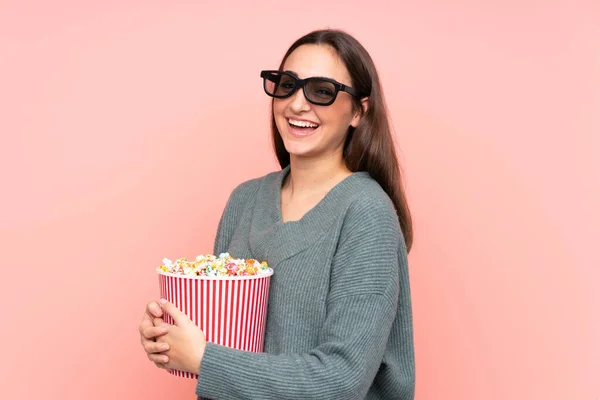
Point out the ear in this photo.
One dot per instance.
(364, 104)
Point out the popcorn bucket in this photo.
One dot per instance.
(231, 311)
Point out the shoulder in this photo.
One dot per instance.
(369, 201)
(370, 239)
(370, 211)
(248, 189)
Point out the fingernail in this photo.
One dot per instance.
(165, 347)
(162, 301)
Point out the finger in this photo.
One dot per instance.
(155, 347)
(179, 317)
(161, 365)
(154, 310)
(161, 325)
(151, 332)
(145, 323)
(146, 316)
(158, 358)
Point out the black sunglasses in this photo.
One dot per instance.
(317, 90)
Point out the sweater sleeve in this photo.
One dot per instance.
(361, 308)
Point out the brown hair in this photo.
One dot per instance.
(370, 146)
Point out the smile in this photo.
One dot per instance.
(302, 124)
(301, 128)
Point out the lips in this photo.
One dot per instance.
(302, 123)
(301, 128)
(301, 132)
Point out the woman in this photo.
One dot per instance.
(335, 227)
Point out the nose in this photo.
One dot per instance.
(298, 102)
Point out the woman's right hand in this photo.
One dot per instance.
(150, 328)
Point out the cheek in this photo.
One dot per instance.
(279, 107)
(278, 112)
(336, 115)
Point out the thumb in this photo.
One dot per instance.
(178, 317)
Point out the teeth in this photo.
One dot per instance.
(302, 124)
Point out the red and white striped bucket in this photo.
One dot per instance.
(231, 311)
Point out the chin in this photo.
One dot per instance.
(299, 150)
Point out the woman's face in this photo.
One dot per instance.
(308, 130)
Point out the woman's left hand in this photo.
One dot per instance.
(186, 341)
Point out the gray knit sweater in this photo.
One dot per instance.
(339, 322)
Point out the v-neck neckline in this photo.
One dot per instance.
(274, 240)
(309, 215)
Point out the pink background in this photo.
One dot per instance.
(126, 124)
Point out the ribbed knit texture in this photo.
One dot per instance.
(339, 321)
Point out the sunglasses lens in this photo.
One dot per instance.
(320, 91)
(279, 85)
(317, 91)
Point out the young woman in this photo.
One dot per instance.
(334, 225)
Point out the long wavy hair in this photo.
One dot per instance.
(370, 146)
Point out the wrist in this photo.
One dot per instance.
(197, 362)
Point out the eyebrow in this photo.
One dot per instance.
(293, 73)
(296, 75)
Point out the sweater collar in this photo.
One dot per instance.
(326, 206)
(291, 237)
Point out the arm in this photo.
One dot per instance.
(233, 210)
(361, 308)
(152, 328)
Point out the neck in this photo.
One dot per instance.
(307, 176)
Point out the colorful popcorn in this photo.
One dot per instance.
(212, 266)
